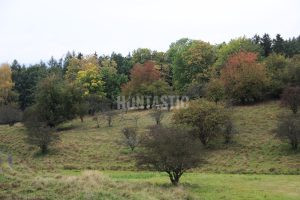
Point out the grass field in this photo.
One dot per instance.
(93, 163)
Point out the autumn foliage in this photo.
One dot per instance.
(141, 75)
(6, 83)
(244, 78)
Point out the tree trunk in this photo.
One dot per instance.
(174, 177)
(203, 139)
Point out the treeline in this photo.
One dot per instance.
(186, 68)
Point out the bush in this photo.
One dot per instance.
(289, 129)
(245, 79)
(291, 98)
(205, 117)
(170, 150)
(10, 115)
(130, 137)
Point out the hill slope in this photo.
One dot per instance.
(68, 171)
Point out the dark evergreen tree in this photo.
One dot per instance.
(278, 44)
(55, 66)
(266, 44)
(256, 39)
(25, 80)
(292, 46)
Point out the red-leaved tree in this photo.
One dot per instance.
(244, 78)
(145, 81)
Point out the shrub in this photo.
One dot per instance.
(291, 98)
(130, 137)
(170, 150)
(289, 129)
(245, 79)
(10, 115)
(204, 116)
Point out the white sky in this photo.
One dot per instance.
(32, 30)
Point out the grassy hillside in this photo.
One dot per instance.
(68, 171)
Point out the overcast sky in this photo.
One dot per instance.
(35, 30)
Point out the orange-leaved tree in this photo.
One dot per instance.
(145, 81)
(244, 78)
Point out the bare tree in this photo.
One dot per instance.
(289, 129)
(170, 150)
(109, 115)
(291, 98)
(228, 130)
(130, 137)
(157, 115)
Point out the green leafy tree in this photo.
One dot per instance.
(177, 47)
(55, 101)
(292, 74)
(192, 60)
(276, 66)
(124, 64)
(205, 117)
(39, 133)
(112, 80)
(141, 55)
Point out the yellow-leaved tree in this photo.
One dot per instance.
(6, 84)
(85, 72)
